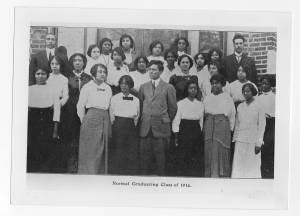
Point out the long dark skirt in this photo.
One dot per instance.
(217, 136)
(93, 142)
(267, 150)
(40, 144)
(190, 154)
(123, 152)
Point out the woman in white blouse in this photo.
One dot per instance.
(43, 120)
(140, 75)
(187, 127)
(93, 58)
(124, 115)
(117, 69)
(248, 135)
(156, 49)
(92, 109)
(219, 122)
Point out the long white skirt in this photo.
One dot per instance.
(246, 164)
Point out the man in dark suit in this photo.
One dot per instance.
(41, 59)
(232, 62)
(159, 107)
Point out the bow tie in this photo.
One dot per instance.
(128, 98)
(100, 89)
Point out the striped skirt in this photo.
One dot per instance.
(93, 142)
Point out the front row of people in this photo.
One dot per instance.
(125, 134)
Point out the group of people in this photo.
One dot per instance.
(166, 114)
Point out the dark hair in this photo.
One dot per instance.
(181, 38)
(238, 36)
(43, 69)
(159, 64)
(103, 41)
(170, 50)
(204, 56)
(183, 56)
(217, 50)
(59, 60)
(61, 50)
(246, 69)
(219, 78)
(154, 43)
(120, 51)
(91, 47)
(135, 63)
(95, 68)
(270, 78)
(186, 88)
(252, 88)
(130, 38)
(217, 64)
(78, 54)
(129, 81)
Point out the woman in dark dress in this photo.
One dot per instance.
(182, 77)
(71, 122)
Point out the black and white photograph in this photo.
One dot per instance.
(189, 109)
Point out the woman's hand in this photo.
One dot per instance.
(176, 139)
(55, 131)
(257, 149)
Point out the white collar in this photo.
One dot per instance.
(238, 54)
(156, 82)
(78, 74)
(50, 50)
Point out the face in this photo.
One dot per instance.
(101, 74)
(55, 66)
(213, 69)
(200, 60)
(154, 73)
(50, 41)
(141, 64)
(238, 45)
(157, 49)
(126, 43)
(117, 57)
(265, 85)
(181, 45)
(216, 87)
(215, 56)
(185, 64)
(124, 86)
(95, 53)
(40, 77)
(241, 74)
(78, 63)
(106, 46)
(192, 90)
(170, 58)
(247, 93)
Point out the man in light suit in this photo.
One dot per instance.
(159, 107)
(41, 59)
(232, 62)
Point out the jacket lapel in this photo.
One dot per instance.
(234, 60)
(158, 88)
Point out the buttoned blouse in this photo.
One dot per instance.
(267, 101)
(235, 90)
(114, 74)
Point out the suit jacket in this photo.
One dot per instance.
(39, 60)
(230, 66)
(158, 109)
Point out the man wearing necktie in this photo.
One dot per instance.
(231, 63)
(158, 105)
(41, 59)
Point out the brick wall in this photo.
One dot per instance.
(258, 45)
(38, 36)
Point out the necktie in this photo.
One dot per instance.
(50, 55)
(153, 86)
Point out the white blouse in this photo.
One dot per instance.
(190, 110)
(128, 60)
(105, 60)
(166, 74)
(220, 104)
(204, 81)
(93, 95)
(59, 85)
(267, 101)
(90, 63)
(42, 96)
(114, 74)
(250, 123)
(124, 108)
(139, 78)
(235, 90)
(158, 58)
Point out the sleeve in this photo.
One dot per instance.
(65, 94)
(137, 112)
(83, 98)
(232, 112)
(236, 128)
(172, 103)
(261, 125)
(112, 109)
(202, 116)
(56, 108)
(141, 97)
(177, 119)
